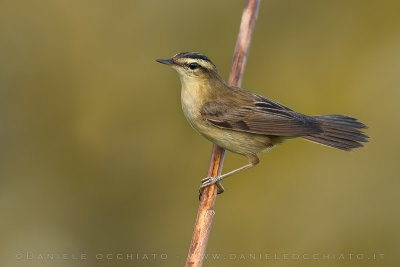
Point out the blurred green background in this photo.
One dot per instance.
(97, 158)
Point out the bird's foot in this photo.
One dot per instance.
(212, 180)
(209, 181)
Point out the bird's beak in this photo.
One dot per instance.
(165, 61)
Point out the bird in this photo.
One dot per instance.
(246, 123)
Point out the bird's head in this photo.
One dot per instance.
(191, 66)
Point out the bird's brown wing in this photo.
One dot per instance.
(259, 116)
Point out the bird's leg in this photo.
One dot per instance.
(253, 160)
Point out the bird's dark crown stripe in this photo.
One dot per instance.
(193, 56)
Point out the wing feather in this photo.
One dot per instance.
(262, 116)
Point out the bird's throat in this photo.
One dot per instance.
(192, 98)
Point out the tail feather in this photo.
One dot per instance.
(339, 131)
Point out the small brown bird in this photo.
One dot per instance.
(247, 123)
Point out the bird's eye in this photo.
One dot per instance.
(193, 66)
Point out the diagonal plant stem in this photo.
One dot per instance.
(206, 211)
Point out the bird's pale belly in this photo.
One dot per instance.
(236, 141)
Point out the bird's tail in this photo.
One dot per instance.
(339, 131)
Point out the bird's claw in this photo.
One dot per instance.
(209, 181)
